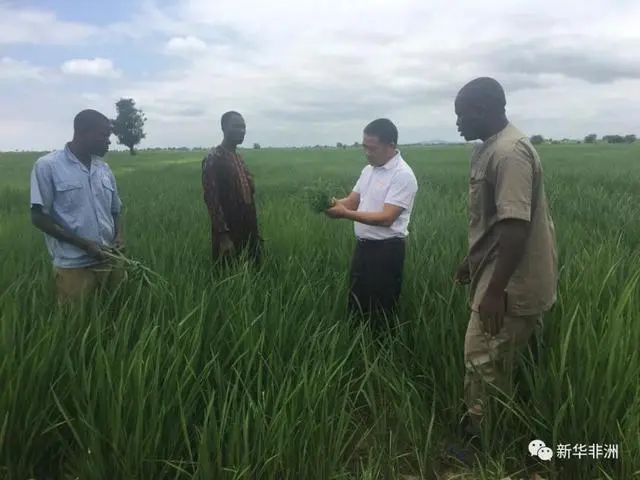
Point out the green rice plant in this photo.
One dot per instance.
(241, 373)
(137, 271)
(320, 195)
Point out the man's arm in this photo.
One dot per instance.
(41, 203)
(119, 236)
(385, 218)
(117, 218)
(512, 239)
(252, 185)
(399, 197)
(116, 211)
(401, 193)
(351, 201)
(211, 199)
(48, 225)
(513, 193)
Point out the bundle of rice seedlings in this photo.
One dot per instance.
(320, 201)
(136, 270)
(319, 197)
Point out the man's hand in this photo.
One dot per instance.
(492, 311)
(97, 251)
(463, 274)
(118, 244)
(226, 245)
(337, 211)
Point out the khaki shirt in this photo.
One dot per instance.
(506, 182)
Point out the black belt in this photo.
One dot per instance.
(380, 241)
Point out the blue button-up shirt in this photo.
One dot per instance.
(83, 200)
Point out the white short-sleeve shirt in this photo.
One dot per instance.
(393, 183)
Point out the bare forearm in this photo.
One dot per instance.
(119, 228)
(348, 203)
(49, 226)
(512, 239)
(351, 201)
(369, 218)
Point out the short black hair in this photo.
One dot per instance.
(226, 116)
(487, 92)
(384, 130)
(88, 120)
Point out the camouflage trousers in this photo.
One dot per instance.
(490, 361)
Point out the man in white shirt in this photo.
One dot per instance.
(380, 206)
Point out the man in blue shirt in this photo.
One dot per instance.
(75, 203)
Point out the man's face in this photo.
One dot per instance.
(470, 120)
(97, 140)
(235, 129)
(377, 153)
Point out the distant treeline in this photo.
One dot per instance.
(591, 138)
(535, 139)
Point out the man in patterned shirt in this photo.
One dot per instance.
(229, 195)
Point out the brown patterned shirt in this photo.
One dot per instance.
(228, 190)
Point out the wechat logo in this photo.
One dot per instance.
(537, 448)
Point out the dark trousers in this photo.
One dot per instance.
(375, 279)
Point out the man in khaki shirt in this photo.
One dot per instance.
(511, 266)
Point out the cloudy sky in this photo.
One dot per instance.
(314, 72)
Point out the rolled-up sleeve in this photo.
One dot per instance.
(42, 186)
(513, 176)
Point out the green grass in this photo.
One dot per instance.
(242, 375)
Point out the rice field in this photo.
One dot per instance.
(242, 374)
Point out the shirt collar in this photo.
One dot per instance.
(73, 159)
(70, 155)
(224, 152)
(492, 138)
(393, 162)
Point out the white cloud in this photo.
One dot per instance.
(11, 69)
(305, 73)
(185, 45)
(35, 26)
(96, 67)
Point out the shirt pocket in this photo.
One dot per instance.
(68, 196)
